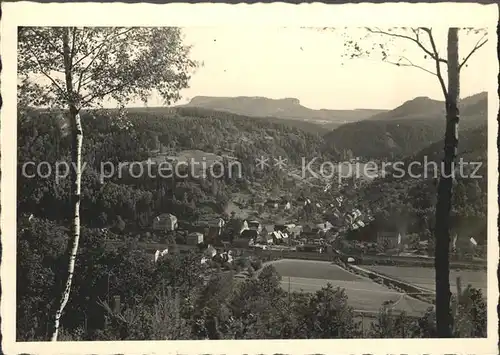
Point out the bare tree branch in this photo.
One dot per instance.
(410, 64)
(478, 45)
(87, 80)
(416, 40)
(438, 63)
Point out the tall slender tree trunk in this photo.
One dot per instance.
(443, 207)
(76, 177)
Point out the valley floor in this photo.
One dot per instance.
(364, 295)
(424, 277)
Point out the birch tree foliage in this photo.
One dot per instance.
(75, 68)
(390, 45)
(107, 64)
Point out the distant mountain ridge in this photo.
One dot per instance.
(418, 106)
(422, 106)
(405, 130)
(289, 108)
(371, 134)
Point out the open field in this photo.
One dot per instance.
(364, 295)
(420, 261)
(424, 277)
(313, 269)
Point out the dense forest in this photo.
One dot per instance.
(405, 130)
(407, 204)
(42, 139)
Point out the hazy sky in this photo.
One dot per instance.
(307, 64)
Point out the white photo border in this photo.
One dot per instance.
(275, 15)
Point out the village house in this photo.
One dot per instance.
(158, 254)
(290, 229)
(224, 257)
(194, 238)
(285, 204)
(277, 237)
(324, 227)
(280, 237)
(212, 229)
(358, 224)
(217, 225)
(353, 216)
(165, 222)
(280, 227)
(295, 232)
(265, 236)
(254, 225)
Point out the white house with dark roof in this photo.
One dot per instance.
(326, 226)
(255, 225)
(280, 237)
(165, 222)
(194, 238)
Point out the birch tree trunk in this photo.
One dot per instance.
(76, 177)
(443, 206)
